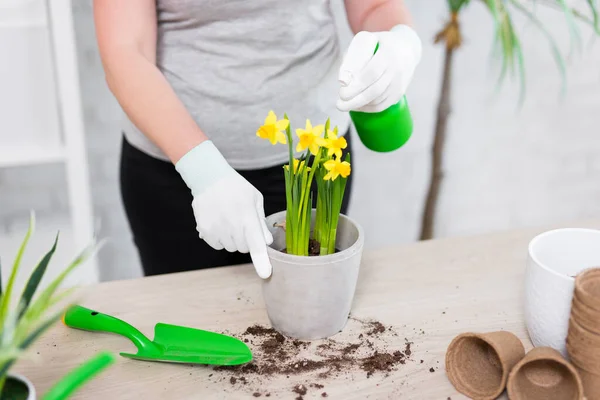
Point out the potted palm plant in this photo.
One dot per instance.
(34, 313)
(316, 251)
(508, 47)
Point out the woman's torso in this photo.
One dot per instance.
(231, 61)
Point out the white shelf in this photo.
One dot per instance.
(20, 155)
(41, 79)
(34, 23)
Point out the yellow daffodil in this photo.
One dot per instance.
(310, 138)
(272, 130)
(297, 165)
(334, 144)
(336, 168)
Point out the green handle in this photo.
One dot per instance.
(77, 377)
(79, 317)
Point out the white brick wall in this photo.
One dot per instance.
(503, 169)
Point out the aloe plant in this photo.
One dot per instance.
(34, 311)
(507, 45)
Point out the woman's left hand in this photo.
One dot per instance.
(373, 82)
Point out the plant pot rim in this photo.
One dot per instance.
(533, 254)
(32, 395)
(319, 260)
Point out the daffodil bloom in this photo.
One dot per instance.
(334, 144)
(297, 164)
(310, 138)
(336, 168)
(272, 129)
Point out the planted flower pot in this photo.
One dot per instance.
(18, 387)
(315, 253)
(310, 297)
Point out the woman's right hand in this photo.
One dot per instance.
(229, 211)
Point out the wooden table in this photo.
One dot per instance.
(428, 291)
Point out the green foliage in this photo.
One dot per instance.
(456, 5)
(22, 325)
(507, 44)
(593, 5)
(319, 161)
(330, 195)
(298, 181)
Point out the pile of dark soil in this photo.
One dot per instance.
(309, 365)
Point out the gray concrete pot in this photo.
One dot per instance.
(309, 298)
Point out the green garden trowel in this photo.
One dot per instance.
(171, 343)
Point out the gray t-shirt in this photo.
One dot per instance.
(230, 62)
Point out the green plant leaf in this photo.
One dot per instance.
(41, 304)
(521, 65)
(507, 45)
(553, 45)
(31, 338)
(15, 268)
(493, 7)
(574, 36)
(9, 354)
(61, 296)
(595, 16)
(456, 5)
(36, 277)
(553, 4)
(504, 41)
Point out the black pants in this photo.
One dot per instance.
(158, 207)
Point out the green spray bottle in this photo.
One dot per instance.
(386, 130)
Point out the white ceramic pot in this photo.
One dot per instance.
(25, 383)
(555, 258)
(310, 297)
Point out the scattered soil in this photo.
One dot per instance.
(377, 328)
(363, 347)
(299, 343)
(350, 348)
(274, 344)
(407, 349)
(258, 330)
(300, 389)
(431, 370)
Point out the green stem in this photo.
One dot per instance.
(288, 215)
(289, 182)
(305, 205)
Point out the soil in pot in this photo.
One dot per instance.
(366, 347)
(314, 248)
(14, 389)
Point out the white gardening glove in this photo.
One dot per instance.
(228, 209)
(373, 82)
